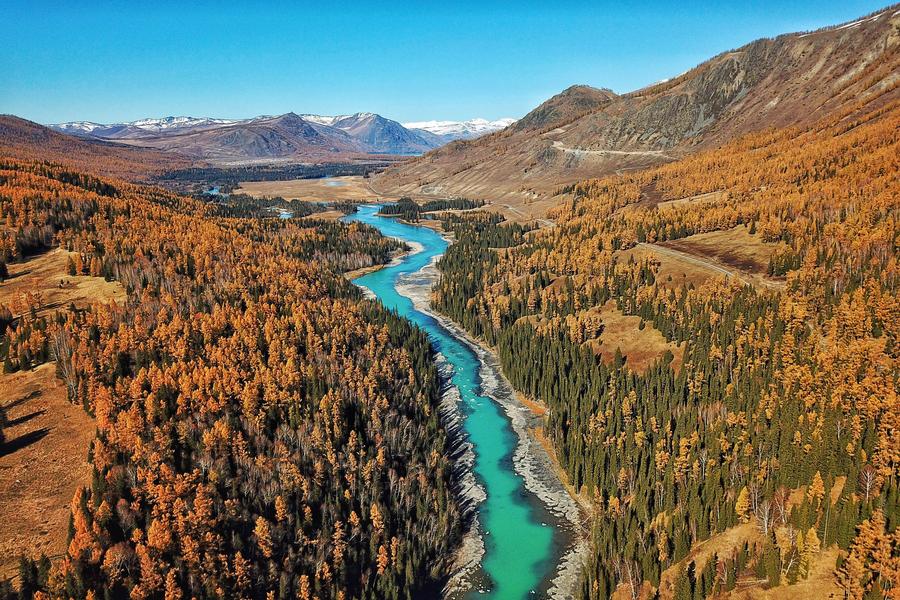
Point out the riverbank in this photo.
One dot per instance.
(531, 460)
(525, 535)
(396, 258)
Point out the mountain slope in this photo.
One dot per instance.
(283, 137)
(24, 139)
(794, 79)
(565, 107)
(382, 135)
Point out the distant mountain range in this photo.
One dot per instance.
(443, 132)
(284, 137)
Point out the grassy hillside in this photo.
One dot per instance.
(768, 270)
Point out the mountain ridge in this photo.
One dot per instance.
(27, 140)
(220, 139)
(793, 79)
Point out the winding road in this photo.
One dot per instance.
(581, 153)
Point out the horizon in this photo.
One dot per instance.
(78, 63)
(421, 123)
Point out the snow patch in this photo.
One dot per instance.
(471, 128)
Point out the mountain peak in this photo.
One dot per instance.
(571, 103)
(584, 89)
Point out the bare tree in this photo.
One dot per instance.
(61, 350)
(868, 480)
(753, 489)
(780, 508)
(765, 514)
(629, 573)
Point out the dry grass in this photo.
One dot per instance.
(537, 408)
(723, 544)
(525, 211)
(673, 270)
(42, 464)
(44, 459)
(698, 199)
(695, 259)
(314, 190)
(641, 347)
(736, 248)
(820, 585)
(47, 275)
(327, 215)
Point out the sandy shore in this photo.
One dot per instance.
(396, 258)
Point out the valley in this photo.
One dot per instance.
(639, 345)
(517, 532)
(332, 189)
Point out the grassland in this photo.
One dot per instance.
(47, 276)
(44, 459)
(41, 465)
(329, 189)
(641, 347)
(734, 253)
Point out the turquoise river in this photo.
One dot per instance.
(520, 550)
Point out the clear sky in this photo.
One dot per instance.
(119, 61)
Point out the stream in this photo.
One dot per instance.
(518, 542)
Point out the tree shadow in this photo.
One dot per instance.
(29, 396)
(25, 418)
(21, 273)
(23, 441)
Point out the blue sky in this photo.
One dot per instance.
(119, 61)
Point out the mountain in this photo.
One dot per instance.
(287, 136)
(570, 104)
(443, 132)
(255, 139)
(27, 140)
(791, 80)
(142, 127)
(381, 135)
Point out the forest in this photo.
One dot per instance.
(229, 178)
(262, 430)
(781, 420)
(409, 210)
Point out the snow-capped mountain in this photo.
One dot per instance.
(128, 129)
(459, 130)
(178, 123)
(434, 133)
(326, 120)
(285, 135)
(74, 127)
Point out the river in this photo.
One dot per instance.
(519, 540)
